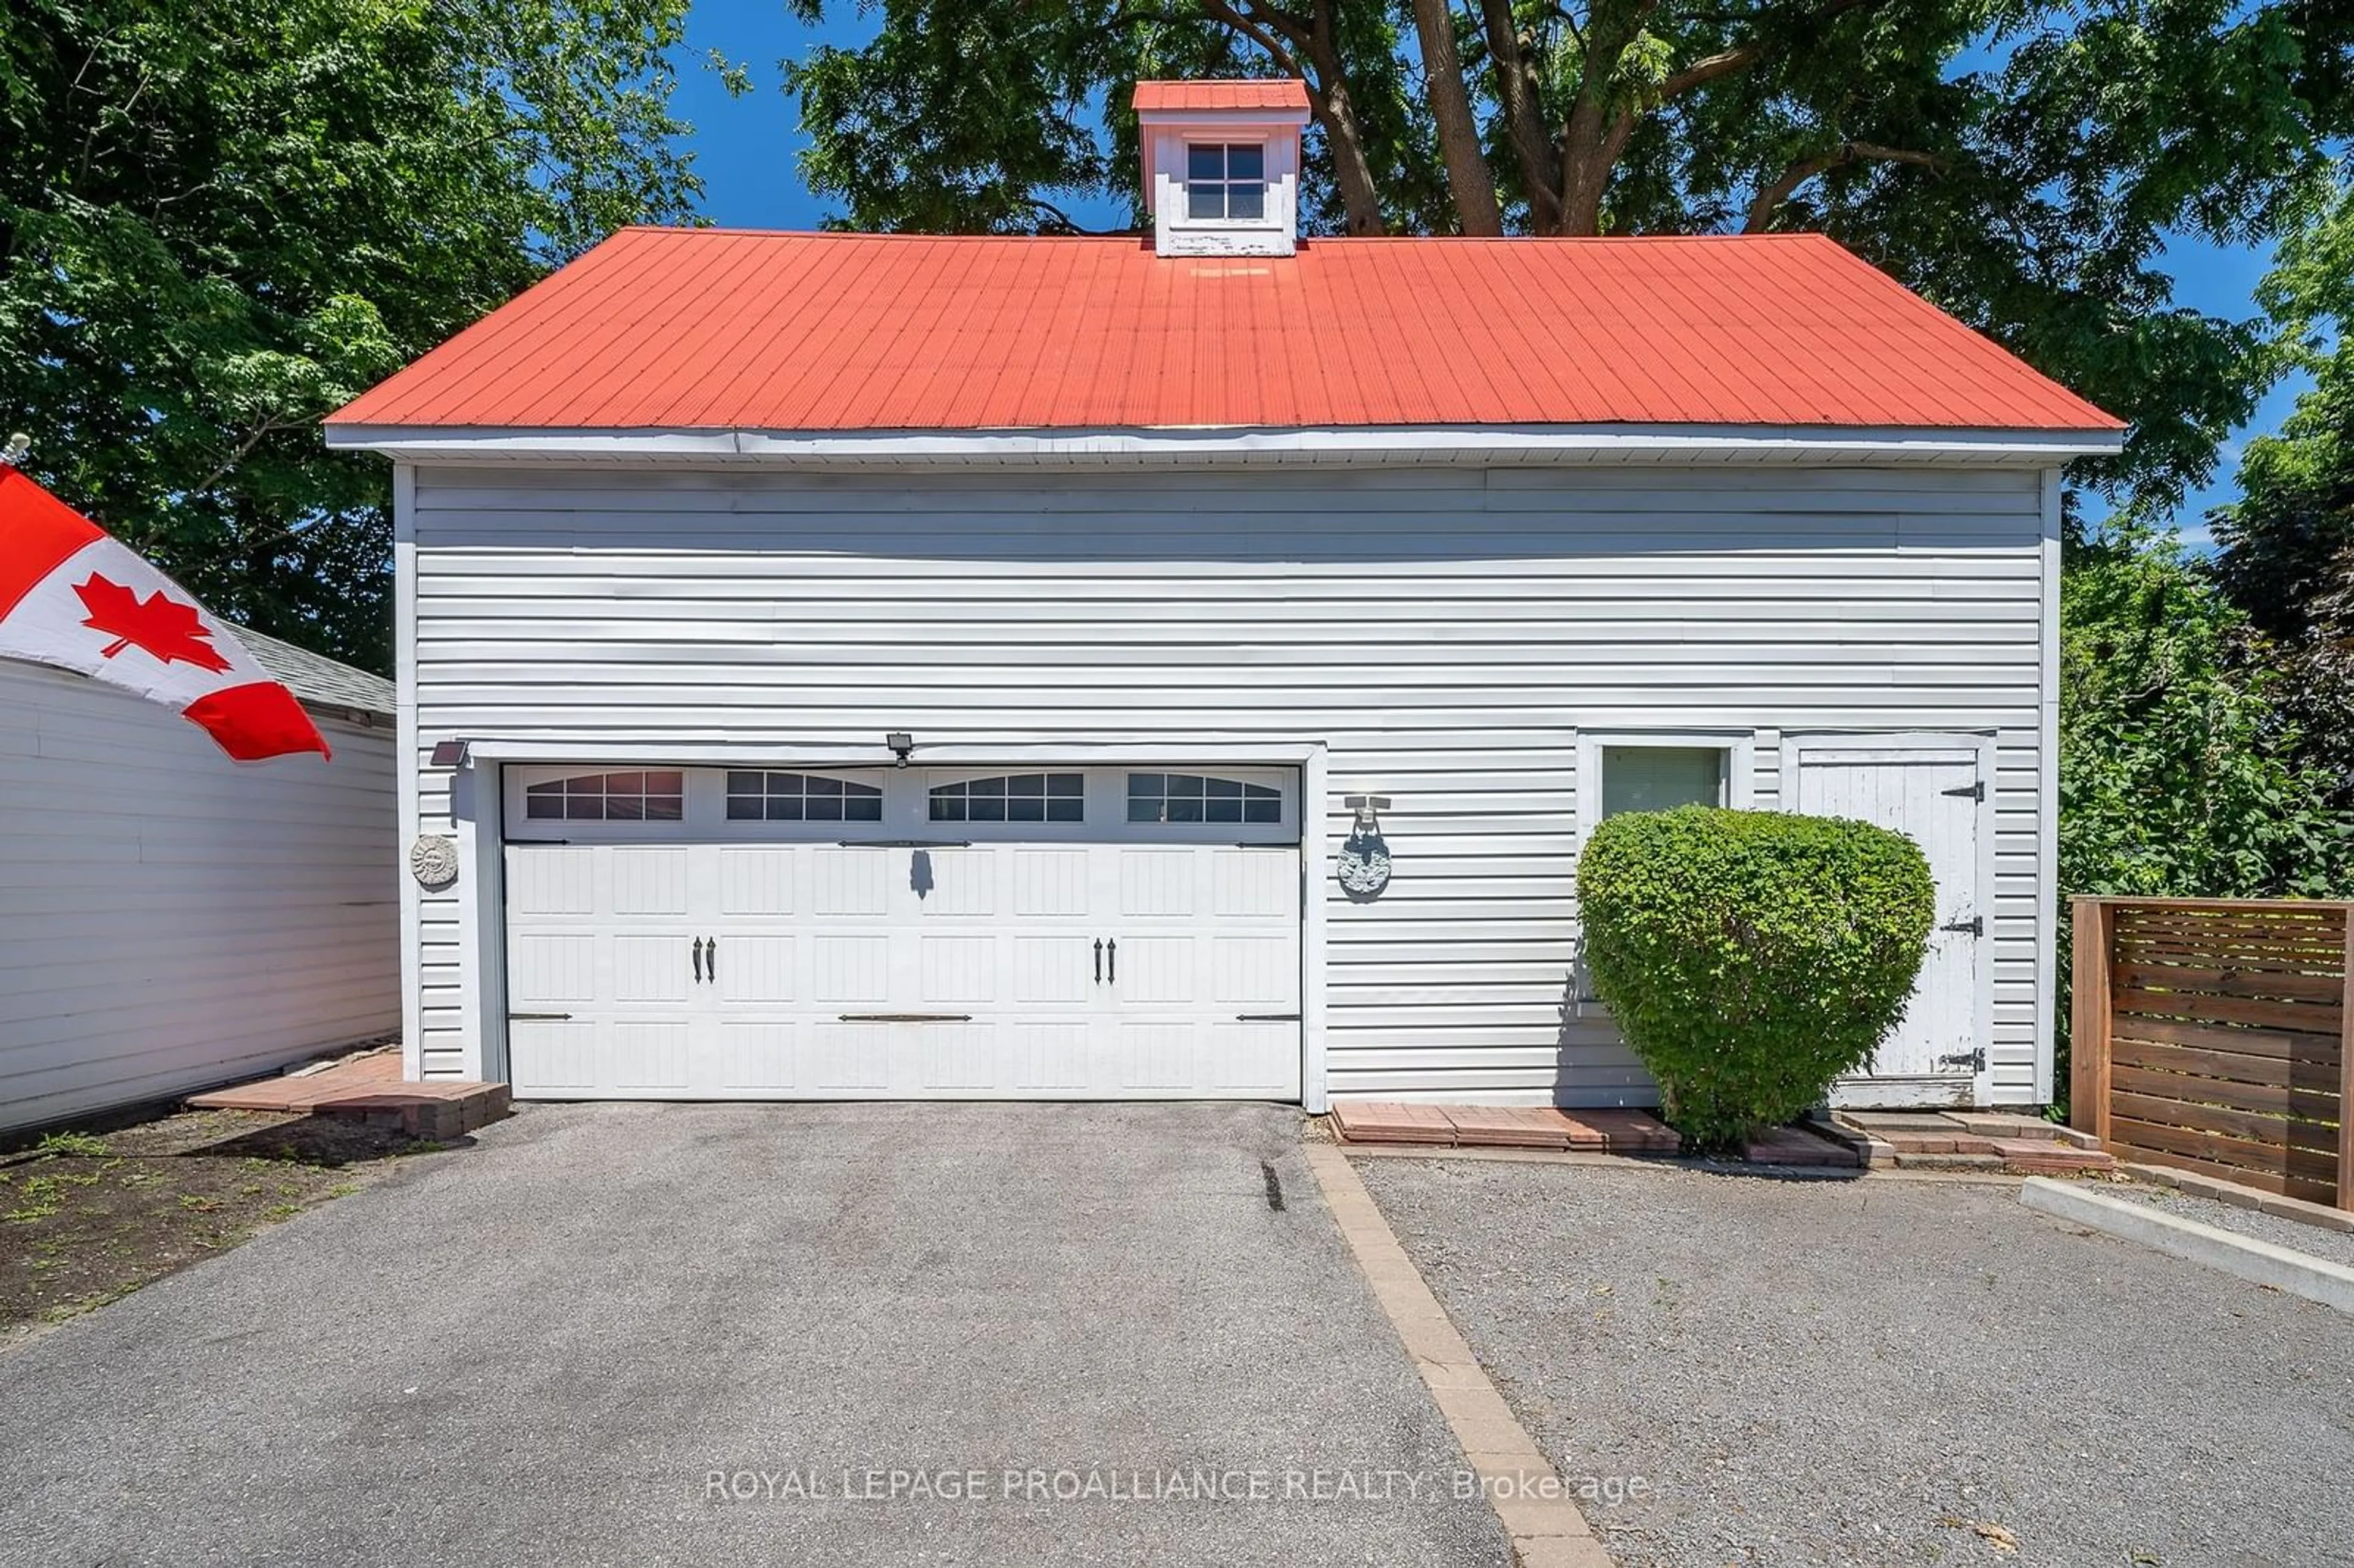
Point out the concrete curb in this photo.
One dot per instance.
(2259, 1262)
(1539, 1512)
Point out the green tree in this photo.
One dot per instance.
(2183, 769)
(2180, 771)
(2022, 161)
(2287, 557)
(219, 220)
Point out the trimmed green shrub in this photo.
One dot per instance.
(1750, 957)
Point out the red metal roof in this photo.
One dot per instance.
(717, 329)
(1281, 92)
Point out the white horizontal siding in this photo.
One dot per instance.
(1447, 632)
(170, 920)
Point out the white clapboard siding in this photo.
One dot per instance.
(170, 920)
(1447, 632)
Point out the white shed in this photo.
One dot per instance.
(861, 666)
(170, 919)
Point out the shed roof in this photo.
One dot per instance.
(723, 329)
(317, 680)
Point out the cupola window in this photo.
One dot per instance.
(1225, 182)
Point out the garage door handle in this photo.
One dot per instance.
(711, 959)
(1111, 960)
(1098, 960)
(906, 1018)
(698, 960)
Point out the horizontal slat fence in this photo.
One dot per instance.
(2213, 1036)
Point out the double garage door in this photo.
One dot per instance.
(902, 933)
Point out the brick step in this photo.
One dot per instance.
(1909, 1141)
(1505, 1127)
(455, 1111)
(366, 1088)
(1960, 1132)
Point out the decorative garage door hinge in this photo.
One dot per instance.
(538, 1017)
(1974, 1061)
(1975, 925)
(1972, 791)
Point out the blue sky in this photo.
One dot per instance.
(745, 149)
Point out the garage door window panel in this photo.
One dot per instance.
(765, 797)
(1188, 797)
(1012, 798)
(627, 797)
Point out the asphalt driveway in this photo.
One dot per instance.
(1885, 1373)
(645, 1334)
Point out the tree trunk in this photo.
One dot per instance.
(1361, 200)
(1595, 137)
(1469, 178)
(1532, 145)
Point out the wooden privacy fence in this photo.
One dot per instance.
(2213, 1034)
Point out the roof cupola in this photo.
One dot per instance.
(1222, 165)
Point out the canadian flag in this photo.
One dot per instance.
(74, 597)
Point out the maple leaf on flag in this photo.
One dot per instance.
(163, 627)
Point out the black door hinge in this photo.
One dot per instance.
(1973, 1060)
(1976, 792)
(1975, 925)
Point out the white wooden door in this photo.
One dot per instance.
(1934, 795)
(902, 956)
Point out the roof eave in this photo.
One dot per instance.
(1234, 445)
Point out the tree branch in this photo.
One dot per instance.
(1740, 57)
(1257, 32)
(1063, 223)
(242, 451)
(1777, 191)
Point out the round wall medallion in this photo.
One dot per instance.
(433, 860)
(1364, 864)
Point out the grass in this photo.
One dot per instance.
(88, 1216)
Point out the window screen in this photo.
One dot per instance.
(1660, 778)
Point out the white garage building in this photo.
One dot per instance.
(869, 666)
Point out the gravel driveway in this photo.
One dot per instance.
(539, 1349)
(1886, 1373)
